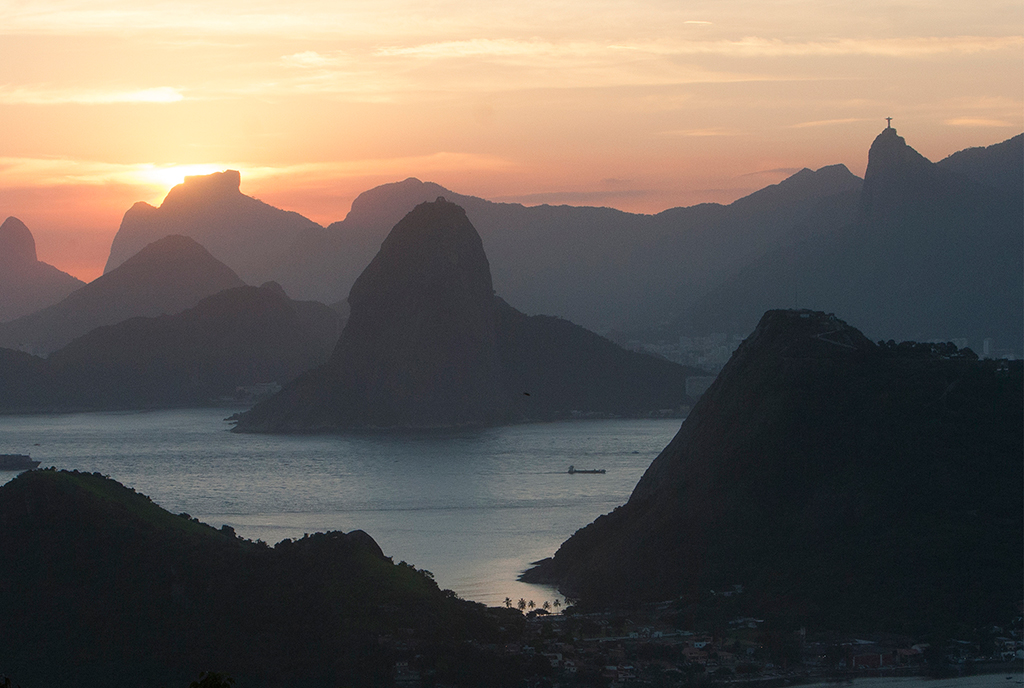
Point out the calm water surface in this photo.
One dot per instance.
(474, 507)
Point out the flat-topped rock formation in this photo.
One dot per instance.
(240, 231)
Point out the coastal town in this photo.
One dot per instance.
(671, 645)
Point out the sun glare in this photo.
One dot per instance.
(168, 176)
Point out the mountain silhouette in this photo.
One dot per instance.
(427, 344)
(598, 267)
(934, 252)
(242, 232)
(167, 276)
(238, 338)
(842, 483)
(106, 588)
(26, 283)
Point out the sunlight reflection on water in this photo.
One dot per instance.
(474, 507)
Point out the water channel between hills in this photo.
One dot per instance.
(473, 507)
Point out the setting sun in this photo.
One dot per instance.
(164, 178)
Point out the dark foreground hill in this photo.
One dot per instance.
(101, 587)
(844, 484)
(240, 337)
(428, 345)
(26, 283)
(167, 276)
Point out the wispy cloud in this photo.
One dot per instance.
(19, 95)
(827, 122)
(309, 59)
(977, 122)
(701, 132)
(18, 172)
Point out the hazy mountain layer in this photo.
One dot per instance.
(167, 276)
(596, 266)
(239, 230)
(844, 484)
(26, 283)
(936, 251)
(237, 338)
(427, 344)
(102, 587)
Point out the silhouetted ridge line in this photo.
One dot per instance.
(427, 345)
(845, 484)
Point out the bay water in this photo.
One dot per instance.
(474, 507)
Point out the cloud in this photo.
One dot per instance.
(36, 172)
(19, 95)
(827, 122)
(787, 171)
(574, 197)
(700, 132)
(977, 122)
(477, 47)
(908, 47)
(309, 59)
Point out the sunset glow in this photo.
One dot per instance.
(636, 105)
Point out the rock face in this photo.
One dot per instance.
(427, 344)
(26, 284)
(419, 346)
(167, 276)
(842, 483)
(242, 232)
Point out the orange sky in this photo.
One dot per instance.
(640, 104)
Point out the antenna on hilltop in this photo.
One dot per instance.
(888, 122)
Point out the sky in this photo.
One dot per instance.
(640, 105)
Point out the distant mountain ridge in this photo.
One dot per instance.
(242, 337)
(167, 276)
(934, 252)
(238, 230)
(428, 345)
(26, 283)
(817, 238)
(598, 267)
(843, 484)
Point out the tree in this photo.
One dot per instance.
(508, 602)
(556, 604)
(546, 605)
(531, 604)
(213, 679)
(521, 604)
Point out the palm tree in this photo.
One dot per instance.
(556, 604)
(508, 602)
(546, 605)
(521, 604)
(530, 604)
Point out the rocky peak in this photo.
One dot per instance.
(205, 188)
(17, 246)
(896, 173)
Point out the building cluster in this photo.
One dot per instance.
(709, 353)
(647, 648)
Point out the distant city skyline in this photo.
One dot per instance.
(640, 106)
